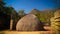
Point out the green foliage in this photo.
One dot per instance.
(4, 9)
(1, 3)
(10, 11)
(1, 6)
(44, 16)
(21, 13)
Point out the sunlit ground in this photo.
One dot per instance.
(33, 32)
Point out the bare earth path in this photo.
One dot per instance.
(33, 32)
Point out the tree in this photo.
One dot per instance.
(2, 6)
(15, 18)
(4, 18)
(21, 13)
(4, 9)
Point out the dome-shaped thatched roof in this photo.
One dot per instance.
(29, 23)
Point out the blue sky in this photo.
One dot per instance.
(28, 5)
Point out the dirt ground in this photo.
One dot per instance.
(33, 32)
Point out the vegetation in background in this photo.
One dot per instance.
(10, 12)
(44, 16)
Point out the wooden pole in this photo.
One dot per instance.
(11, 24)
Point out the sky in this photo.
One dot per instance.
(28, 5)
